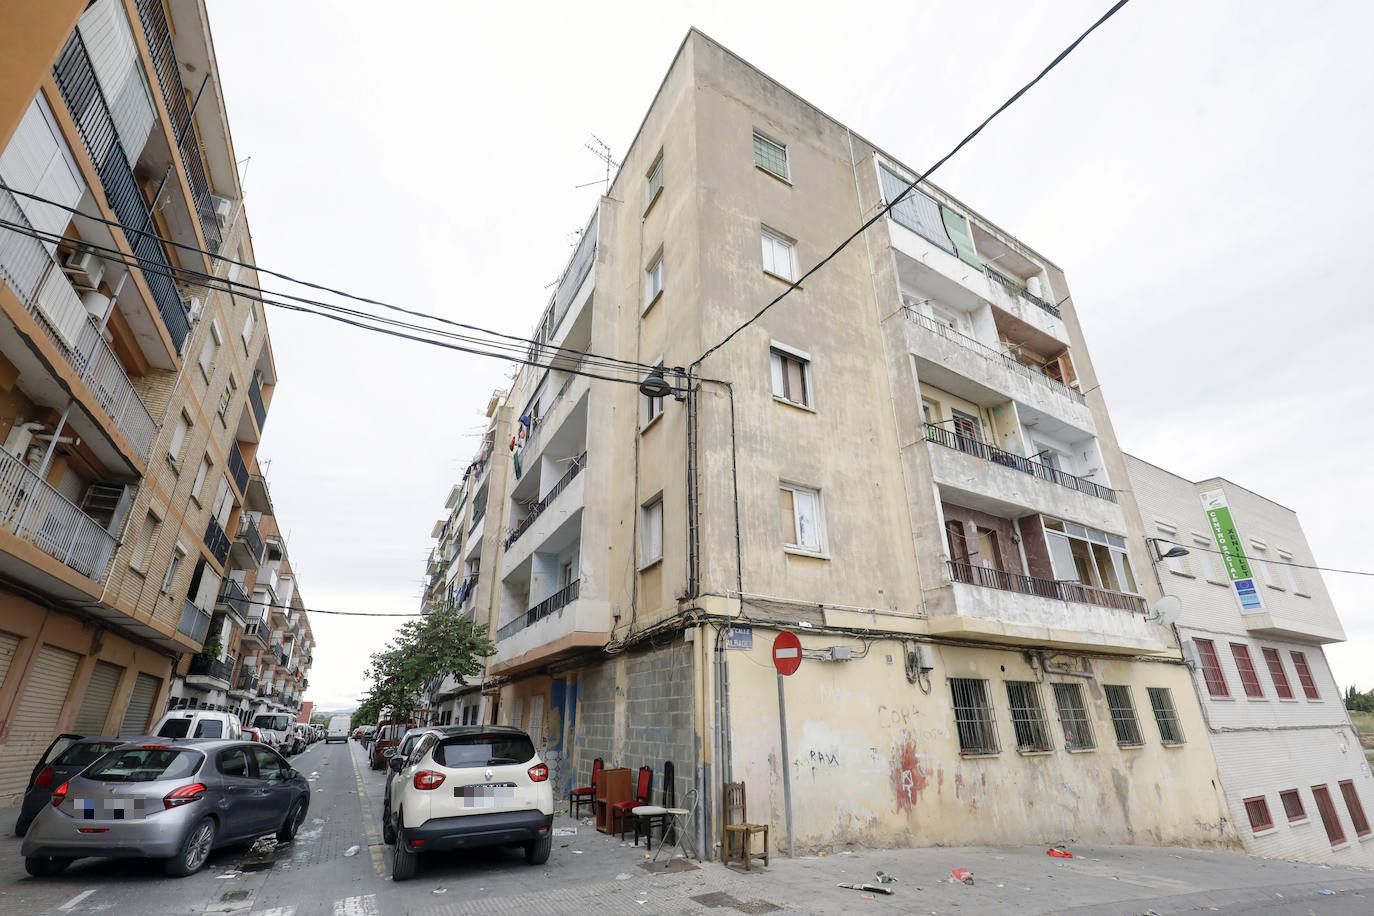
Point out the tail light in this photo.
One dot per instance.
(539, 772)
(59, 795)
(184, 795)
(428, 779)
(45, 776)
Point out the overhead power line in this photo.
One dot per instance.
(1250, 559)
(315, 610)
(918, 180)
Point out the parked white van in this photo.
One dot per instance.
(338, 729)
(198, 723)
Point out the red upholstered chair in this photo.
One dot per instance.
(620, 811)
(584, 795)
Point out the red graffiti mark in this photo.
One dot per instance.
(909, 776)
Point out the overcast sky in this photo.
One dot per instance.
(1200, 171)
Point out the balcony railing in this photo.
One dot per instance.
(1057, 589)
(538, 508)
(257, 628)
(195, 623)
(38, 513)
(174, 94)
(538, 430)
(555, 602)
(216, 668)
(579, 265)
(76, 79)
(238, 470)
(980, 449)
(255, 399)
(247, 682)
(232, 595)
(1016, 289)
(216, 540)
(994, 355)
(251, 536)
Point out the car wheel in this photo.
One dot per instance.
(195, 849)
(294, 817)
(388, 828)
(537, 853)
(404, 860)
(45, 866)
(21, 826)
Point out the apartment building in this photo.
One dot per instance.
(1254, 620)
(908, 464)
(132, 402)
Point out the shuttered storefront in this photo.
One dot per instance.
(140, 705)
(9, 644)
(95, 705)
(33, 721)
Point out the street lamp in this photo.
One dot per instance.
(1174, 551)
(655, 385)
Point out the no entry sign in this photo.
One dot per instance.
(787, 653)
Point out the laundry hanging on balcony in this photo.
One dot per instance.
(516, 447)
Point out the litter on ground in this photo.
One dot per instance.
(1059, 852)
(352, 850)
(872, 888)
(961, 874)
(565, 831)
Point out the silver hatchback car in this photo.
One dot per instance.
(175, 801)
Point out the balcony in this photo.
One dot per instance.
(195, 623)
(248, 544)
(247, 682)
(980, 449)
(232, 596)
(238, 470)
(216, 541)
(571, 293)
(213, 669)
(39, 514)
(574, 468)
(255, 399)
(561, 625)
(555, 602)
(256, 629)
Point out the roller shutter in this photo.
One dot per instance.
(33, 722)
(9, 644)
(140, 706)
(95, 705)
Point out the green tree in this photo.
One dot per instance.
(1359, 702)
(432, 647)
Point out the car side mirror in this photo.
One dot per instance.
(396, 763)
(389, 752)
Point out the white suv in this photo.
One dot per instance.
(470, 787)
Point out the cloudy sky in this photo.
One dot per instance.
(1200, 170)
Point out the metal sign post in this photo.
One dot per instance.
(787, 659)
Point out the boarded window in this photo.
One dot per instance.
(1352, 804)
(973, 716)
(1073, 717)
(1124, 720)
(1335, 833)
(1028, 716)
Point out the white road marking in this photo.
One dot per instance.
(275, 911)
(75, 901)
(357, 906)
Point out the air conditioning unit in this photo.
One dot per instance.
(194, 305)
(85, 268)
(97, 305)
(224, 208)
(1191, 654)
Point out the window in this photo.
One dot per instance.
(1096, 558)
(179, 434)
(1290, 572)
(1309, 686)
(1257, 809)
(1166, 717)
(248, 322)
(791, 371)
(201, 473)
(1169, 535)
(1335, 833)
(973, 716)
(966, 426)
(1277, 674)
(1249, 680)
(1352, 804)
(1207, 559)
(143, 549)
(770, 155)
(1073, 716)
(209, 348)
(1292, 805)
(1211, 668)
(652, 407)
(227, 397)
(1259, 556)
(173, 567)
(802, 523)
(958, 541)
(1027, 716)
(779, 255)
(270, 764)
(1124, 720)
(653, 280)
(234, 762)
(654, 180)
(651, 531)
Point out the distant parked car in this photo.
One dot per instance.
(299, 738)
(176, 802)
(387, 736)
(193, 722)
(253, 734)
(65, 757)
(368, 732)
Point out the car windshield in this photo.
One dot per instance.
(483, 750)
(174, 728)
(81, 754)
(275, 723)
(144, 764)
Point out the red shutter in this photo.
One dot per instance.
(1276, 672)
(1309, 686)
(1334, 831)
(1211, 668)
(1292, 805)
(1257, 809)
(1352, 804)
(1248, 678)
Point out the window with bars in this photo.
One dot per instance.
(1276, 673)
(1257, 809)
(1211, 668)
(973, 716)
(1249, 679)
(770, 155)
(1166, 716)
(1292, 805)
(1335, 833)
(1073, 717)
(1028, 716)
(1309, 686)
(1124, 720)
(1352, 804)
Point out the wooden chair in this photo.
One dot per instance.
(668, 799)
(620, 811)
(737, 841)
(585, 795)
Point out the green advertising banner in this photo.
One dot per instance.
(1232, 551)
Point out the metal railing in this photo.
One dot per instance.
(76, 79)
(216, 668)
(238, 470)
(980, 449)
(579, 266)
(538, 431)
(232, 596)
(174, 95)
(977, 346)
(251, 536)
(255, 399)
(538, 508)
(195, 623)
(256, 628)
(216, 540)
(246, 682)
(555, 602)
(1016, 289)
(38, 513)
(1059, 590)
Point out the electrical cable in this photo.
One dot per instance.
(795, 284)
(1249, 559)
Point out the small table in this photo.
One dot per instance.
(673, 823)
(648, 811)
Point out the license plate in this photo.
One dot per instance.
(486, 795)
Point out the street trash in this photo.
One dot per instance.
(565, 831)
(962, 874)
(884, 878)
(1327, 892)
(847, 852)
(1059, 852)
(441, 890)
(869, 897)
(822, 853)
(874, 888)
(577, 852)
(352, 850)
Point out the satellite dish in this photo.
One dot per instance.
(1166, 610)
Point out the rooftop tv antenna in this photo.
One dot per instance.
(601, 150)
